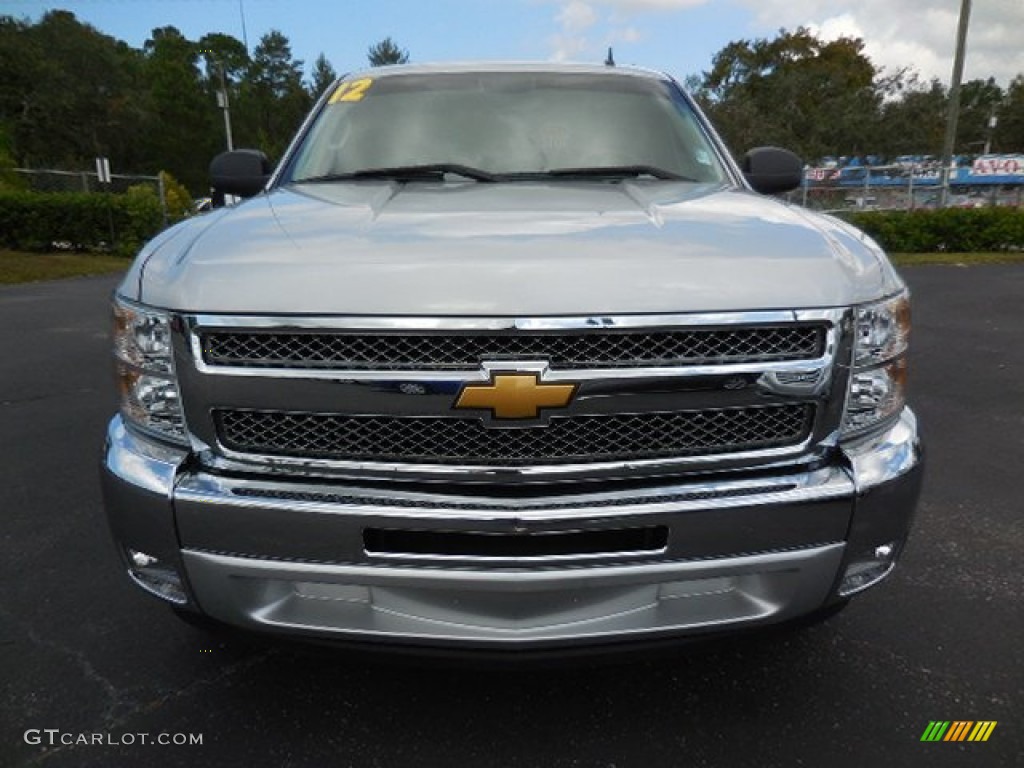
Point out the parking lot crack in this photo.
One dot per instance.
(118, 724)
(226, 672)
(48, 396)
(75, 656)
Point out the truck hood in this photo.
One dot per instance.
(508, 249)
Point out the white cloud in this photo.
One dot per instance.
(567, 47)
(920, 34)
(574, 19)
(577, 19)
(844, 25)
(627, 35)
(652, 5)
(576, 16)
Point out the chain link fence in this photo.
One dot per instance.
(904, 187)
(50, 180)
(75, 210)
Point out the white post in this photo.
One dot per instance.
(222, 102)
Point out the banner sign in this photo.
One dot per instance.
(998, 165)
(988, 170)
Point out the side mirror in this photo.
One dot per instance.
(242, 172)
(770, 170)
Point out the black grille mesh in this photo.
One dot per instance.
(576, 439)
(562, 349)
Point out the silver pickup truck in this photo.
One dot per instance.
(509, 357)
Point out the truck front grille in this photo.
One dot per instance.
(567, 439)
(566, 350)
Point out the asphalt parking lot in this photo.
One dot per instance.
(83, 652)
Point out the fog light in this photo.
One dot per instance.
(155, 577)
(868, 570)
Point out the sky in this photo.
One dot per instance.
(676, 36)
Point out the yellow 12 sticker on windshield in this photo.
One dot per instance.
(351, 90)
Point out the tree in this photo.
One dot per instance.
(8, 178)
(21, 61)
(176, 197)
(220, 51)
(68, 92)
(913, 118)
(183, 125)
(386, 52)
(323, 76)
(273, 66)
(979, 101)
(274, 100)
(816, 97)
(1009, 133)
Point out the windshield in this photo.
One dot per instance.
(495, 126)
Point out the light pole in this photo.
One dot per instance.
(222, 102)
(954, 97)
(245, 36)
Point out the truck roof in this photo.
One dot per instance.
(507, 66)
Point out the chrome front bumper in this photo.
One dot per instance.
(290, 557)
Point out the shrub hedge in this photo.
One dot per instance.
(38, 221)
(959, 230)
(35, 221)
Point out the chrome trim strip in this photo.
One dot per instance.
(513, 561)
(444, 323)
(811, 365)
(249, 461)
(196, 324)
(565, 502)
(811, 486)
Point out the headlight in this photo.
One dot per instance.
(145, 371)
(877, 390)
(883, 330)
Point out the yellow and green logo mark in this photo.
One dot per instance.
(958, 730)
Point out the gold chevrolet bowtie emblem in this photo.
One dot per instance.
(515, 395)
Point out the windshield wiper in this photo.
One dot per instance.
(620, 172)
(429, 171)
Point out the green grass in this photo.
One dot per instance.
(957, 259)
(20, 267)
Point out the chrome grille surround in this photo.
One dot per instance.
(578, 439)
(460, 350)
(819, 382)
